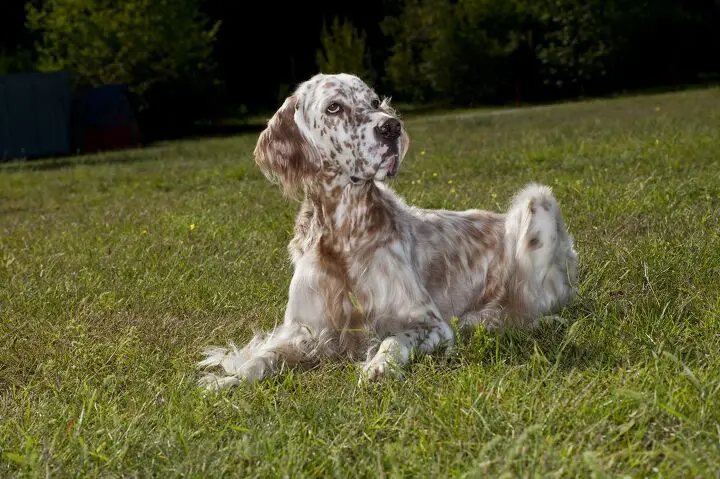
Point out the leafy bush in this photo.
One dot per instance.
(463, 51)
(460, 51)
(577, 44)
(416, 33)
(135, 42)
(19, 61)
(343, 49)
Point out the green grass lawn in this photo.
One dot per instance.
(117, 269)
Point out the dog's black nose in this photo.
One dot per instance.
(390, 129)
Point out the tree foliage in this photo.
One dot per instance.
(577, 42)
(343, 49)
(20, 60)
(463, 51)
(135, 42)
(417, 33)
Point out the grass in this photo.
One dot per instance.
(117, 269)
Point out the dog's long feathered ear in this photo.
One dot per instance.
(282, 153)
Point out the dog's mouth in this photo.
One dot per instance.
(391, 159)
(388, 167)
(392, 164)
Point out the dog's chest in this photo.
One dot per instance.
(386, 282)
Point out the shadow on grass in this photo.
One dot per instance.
(551, 345)
(201, 131)
(72, 160)
(562, 346)
(116, 156)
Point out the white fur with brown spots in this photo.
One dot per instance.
(375, 278)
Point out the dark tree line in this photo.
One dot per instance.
(487, 51)
(193, 59)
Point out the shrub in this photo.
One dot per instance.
(343, 50)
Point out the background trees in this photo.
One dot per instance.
(470, 51)
(162, 50)
(344, 49)
(189, 59)
(135, 42)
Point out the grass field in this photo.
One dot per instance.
(117, 269)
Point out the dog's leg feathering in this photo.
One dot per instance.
(395, 351)
(289, 344)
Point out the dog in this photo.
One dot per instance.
(374, 277)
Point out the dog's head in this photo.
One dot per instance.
(332, 129)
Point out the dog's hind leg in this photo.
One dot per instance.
(540, 248)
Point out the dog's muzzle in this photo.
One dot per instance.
(389, 130)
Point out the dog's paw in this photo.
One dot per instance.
(213, 382)
(379, 367)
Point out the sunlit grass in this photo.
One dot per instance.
(117, 269)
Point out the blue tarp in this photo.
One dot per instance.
(34, 115)
(104, 106)
(103, 119)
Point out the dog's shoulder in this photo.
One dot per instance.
(302, 239)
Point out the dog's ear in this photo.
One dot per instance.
(404, 143)
(282, 153)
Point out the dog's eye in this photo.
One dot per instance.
(333, 108)
(376, 103)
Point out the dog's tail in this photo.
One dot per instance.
(264, 355)
(543, 260)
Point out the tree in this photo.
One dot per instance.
(20, 60)
(578, 42)
(139, 43)
(343, 50)
(458, 51)
(416, 33)
(473, 58)
(465, 51)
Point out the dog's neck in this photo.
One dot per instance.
(351, 213)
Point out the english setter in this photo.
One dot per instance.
(374, 277)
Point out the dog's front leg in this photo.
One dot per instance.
(424, 333)
(395, 351)
(302, 338)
